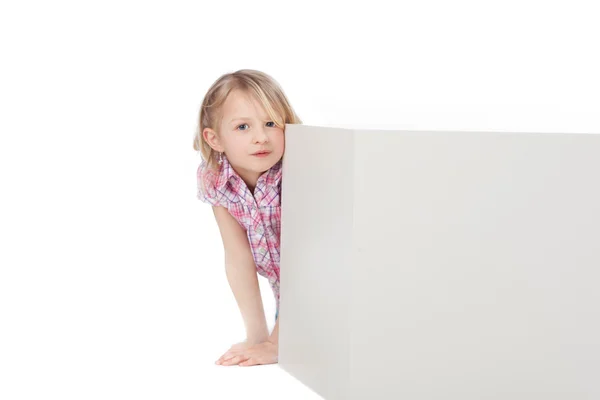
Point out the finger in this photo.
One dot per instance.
(235, 360)
(222, 358)
(228, 355)
(264, 359)
(248, 363)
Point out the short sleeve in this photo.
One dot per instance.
(206, 183)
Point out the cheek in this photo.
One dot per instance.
(236, 148)
(280, 140)
(280, 136)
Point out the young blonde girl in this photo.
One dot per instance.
(241, 139)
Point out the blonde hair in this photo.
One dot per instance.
(263, 87)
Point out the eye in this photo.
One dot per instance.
(271, 122)
(241, 125)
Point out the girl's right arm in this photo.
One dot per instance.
(241, 275)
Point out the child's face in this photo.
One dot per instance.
(245, 130)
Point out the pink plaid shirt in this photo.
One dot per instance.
(258, 214)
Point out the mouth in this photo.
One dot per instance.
(263, 153)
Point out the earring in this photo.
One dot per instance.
(220, 158)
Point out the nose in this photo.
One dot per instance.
(260, 136)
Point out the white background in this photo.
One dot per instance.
(112, 282)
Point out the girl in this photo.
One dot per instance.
(241, 139)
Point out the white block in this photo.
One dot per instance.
(421, 265)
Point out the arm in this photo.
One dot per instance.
(241, 275)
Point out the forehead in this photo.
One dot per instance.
(240, 104)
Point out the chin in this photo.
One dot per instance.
(265, 160)
(263, 165)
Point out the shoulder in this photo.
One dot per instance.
(208, 184)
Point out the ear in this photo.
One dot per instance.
(212, 139)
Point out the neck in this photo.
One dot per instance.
(250, 178)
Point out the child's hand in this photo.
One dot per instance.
(245, 354)
(233, 349)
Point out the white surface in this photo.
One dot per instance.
(111, 278)
(315, 282)
(441, 265)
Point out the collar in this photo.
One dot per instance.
(226, 173)
(277, 171)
